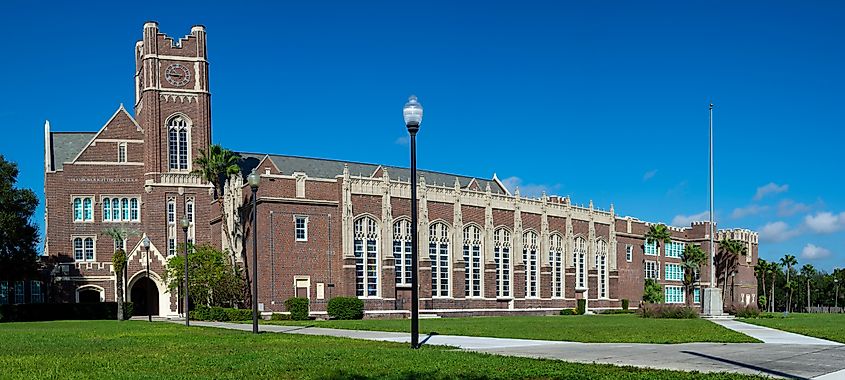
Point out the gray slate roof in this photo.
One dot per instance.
(326, 168)
(65, 146)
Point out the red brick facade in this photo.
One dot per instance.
(172, 87)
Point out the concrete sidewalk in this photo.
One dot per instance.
(770, 335)
(796, 361)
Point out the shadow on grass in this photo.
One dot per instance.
(746, 365)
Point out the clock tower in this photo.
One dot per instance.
(172, 100)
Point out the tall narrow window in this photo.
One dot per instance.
(89, 249)
(629, 253)
(106, 209)
(529, 258)
(178, 143)
(78, 253)
(438, 252)
(556, 260)
(601, 266)
(366, 257)
(189, 210)
(502, 259)
(171, 247)
(121, 152)
(171, 211)
(4, 292)
(301, 228)
(35, 295)
(133, 210)
(87, 209)
(19, 295)
(124, 209)
(402, 251)
(472, 258)
(120, 244)
(77, 209)
(579, 257)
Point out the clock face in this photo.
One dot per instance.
(177, 75)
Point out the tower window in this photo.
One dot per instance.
(178, 143)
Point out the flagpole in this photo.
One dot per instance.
(712, 228)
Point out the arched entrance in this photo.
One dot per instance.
(89, 295)
(144, 296)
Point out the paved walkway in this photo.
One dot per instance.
(796, 361)
(770, 335)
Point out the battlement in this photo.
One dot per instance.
(740, 234)
(157, 43)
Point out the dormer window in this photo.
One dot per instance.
(178, 141)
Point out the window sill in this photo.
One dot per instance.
(509, 298)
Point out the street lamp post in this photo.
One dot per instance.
(146, 244)
(254, 180)
(185, 224)
(412, 113)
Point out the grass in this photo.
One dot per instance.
(584, 328)
(825, 326)
(135, 350)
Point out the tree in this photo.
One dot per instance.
(656, 234)
(788, 261)
(211, 282)
(216, 165)
(18, 235)
(774, 269)
(808, 271)
(119, 235)
(692, 259)
(652, 291)
(727, 260)
(760, 271)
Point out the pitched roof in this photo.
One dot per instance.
(66, 146)
(326, 168)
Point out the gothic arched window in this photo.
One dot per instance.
(402, 251)
(579, 258)
(472, 258)
(556, 259)
(438, 252)
(601, 265)
(532, 269)
(177, 136)
(366, 257)
(502, 258)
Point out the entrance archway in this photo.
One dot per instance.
(144, 296)
(89, 295)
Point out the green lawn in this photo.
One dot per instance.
(136, 349)
(825, 326)
(584, 328)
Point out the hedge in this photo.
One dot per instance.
(220, 314)
(582, 307)
(62, 311)
(346, 308)
(298, 308)
(667, 311)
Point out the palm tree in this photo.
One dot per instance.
(788, 261)
(808, 271)
(658, 233)
(215, 166)
(760, 271)
(692, 259)
(774, 268)
(727, 260)
(119, 235)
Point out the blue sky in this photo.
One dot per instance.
(604, 101)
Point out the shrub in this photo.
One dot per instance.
(625, 304)
(236, 315)
(298, 308)
(582, 307)
(220, 314)
(57, 311)
(762, 301)
(128, 310)
(616, 311)
(667, 311)
(280, 317)
(652, 291)
(749, 311)
(346, 308)
(568, 312)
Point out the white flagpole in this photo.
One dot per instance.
(712, 229)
